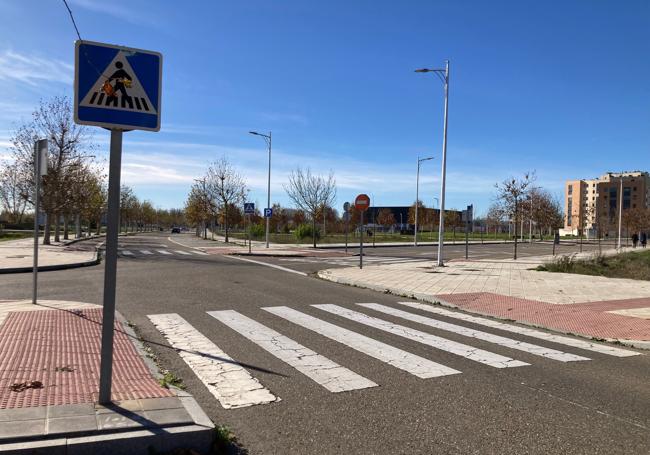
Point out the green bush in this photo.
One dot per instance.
(304, 231)
(257, 231)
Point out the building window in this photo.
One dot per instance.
(570, 190)
(627, 193)
(569, 209)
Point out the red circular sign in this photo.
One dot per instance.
(362, 202)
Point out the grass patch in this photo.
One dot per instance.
(169, 378)
(4, 236)
(634, 265)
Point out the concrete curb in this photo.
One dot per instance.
(47, 268)
(325, 275)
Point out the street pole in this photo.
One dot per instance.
(269, 141)
(268, 194)
(441, 224)
(417, 198)
(40, 162)
(620, 212)
(249, 233)
(347, 218)
(361, 243)
(110, 269)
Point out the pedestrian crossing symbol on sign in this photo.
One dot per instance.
(117, 87)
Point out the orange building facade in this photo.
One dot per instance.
(593, 205)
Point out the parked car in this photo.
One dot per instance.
(176, 230)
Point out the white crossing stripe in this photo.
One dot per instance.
(411, 363)
(163, 252)
(463, 350)
(127, 252)
(201, 253)
(145, 252)
(182, 252)
(574, 342)
(228, 381)
(496, 339)
(325, 372)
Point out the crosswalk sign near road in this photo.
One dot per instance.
(249, 208)
(117, 87)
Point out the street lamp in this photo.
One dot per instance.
(417, 198)
(267, 139)
(443, 74)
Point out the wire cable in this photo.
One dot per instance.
(72, 18)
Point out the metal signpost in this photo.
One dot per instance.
(346, 217)
(40, 169)
(117, 88)
(467, 219)
(249, 209)
(361, 203)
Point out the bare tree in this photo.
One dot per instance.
(386, 218)
(226, 188)
(510, 195)
(494, 218)
(69, 148)
(311, 192)
(13, 192)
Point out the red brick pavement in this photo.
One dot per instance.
(589, 319)
(61, 349)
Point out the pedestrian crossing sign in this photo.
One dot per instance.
(117, 87)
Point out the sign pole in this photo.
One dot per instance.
(249, 234)
(38, 164)
(110, 268)
(361, 243)
(347, 217)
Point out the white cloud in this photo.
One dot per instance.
(124, 12)
(33, 70)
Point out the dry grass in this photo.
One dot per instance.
(635, 266)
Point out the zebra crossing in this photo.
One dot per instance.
(354, 260)
(134, 252)
(234, 385)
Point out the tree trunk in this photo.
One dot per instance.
(313, 229)
(226, 220)
(99, 225)
(65, 228)
(46, 228)
(77, 221)
(57, 227)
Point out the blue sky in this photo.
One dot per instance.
(560, 87)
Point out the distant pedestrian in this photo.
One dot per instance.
(644, 239)
(635, 239)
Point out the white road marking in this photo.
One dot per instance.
(145, 252)
(411, 363)
(182, 252)
(575, 342)
(463, 350)
(325, 372)
(279, 267)
(201, 253)
(489, 337)
(163, 252)
(127, 252)
(228, 381)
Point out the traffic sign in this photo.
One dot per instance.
(362, 202)
(117, 87)
(268, 213)
(346, 207)
(249, 208)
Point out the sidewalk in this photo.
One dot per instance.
(49, 382)
(590, 306)
(18, 256)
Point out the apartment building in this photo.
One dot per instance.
(596, 201)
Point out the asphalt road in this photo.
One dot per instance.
(595, 406)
